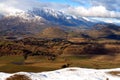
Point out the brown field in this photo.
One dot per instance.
(38, 63)
(36, 55)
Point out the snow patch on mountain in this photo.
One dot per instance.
(59, 17)
(105, 20)
(69, 74)
(86, 18)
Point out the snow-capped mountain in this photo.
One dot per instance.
(56, 17)
(35, 20)
(49, 15)
(59, 17)
(70, 74)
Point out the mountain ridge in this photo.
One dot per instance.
(58, 17)
(36, 20)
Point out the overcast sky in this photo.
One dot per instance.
(101, 8)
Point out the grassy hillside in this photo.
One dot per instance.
(53, 32)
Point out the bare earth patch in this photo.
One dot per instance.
(18, 77)
(72, 69)
(115, 73)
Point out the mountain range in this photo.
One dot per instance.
(37, 19)
(60, 17)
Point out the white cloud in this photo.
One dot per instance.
(13, 6)
(99, 11)
(8, 9)
(109, 4)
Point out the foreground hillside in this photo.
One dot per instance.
(66, 74)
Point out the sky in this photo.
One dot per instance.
(97, 8)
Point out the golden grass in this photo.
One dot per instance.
(77, 40)
(39, 63)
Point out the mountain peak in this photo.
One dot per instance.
(59, 17)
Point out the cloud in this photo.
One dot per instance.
(99, 11)
(101, 8)
(20, 4)
(12, 6)
(112, 5)
(7, 6)
(6, 9)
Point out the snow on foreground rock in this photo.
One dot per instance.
(70, 74)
